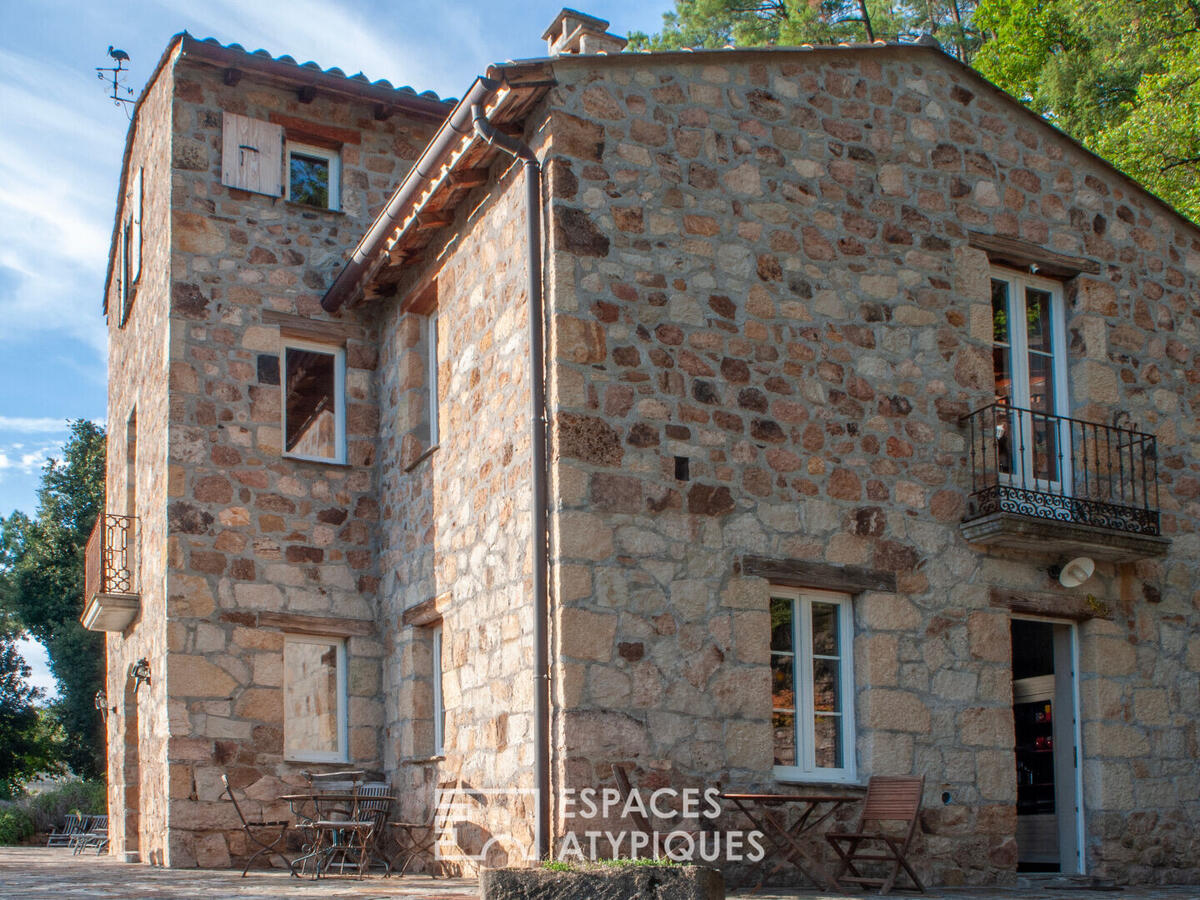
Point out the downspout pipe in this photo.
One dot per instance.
(457, 126)
(537, 371)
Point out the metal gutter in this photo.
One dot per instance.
(454, 129)
(537, 414)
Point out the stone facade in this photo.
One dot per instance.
(760, 264)
(239, 545)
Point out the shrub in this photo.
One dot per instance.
(15, 824)
(49, 808)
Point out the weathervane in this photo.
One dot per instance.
(113, 76)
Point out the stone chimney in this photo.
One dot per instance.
(574, 32)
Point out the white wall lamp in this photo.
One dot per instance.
(1074, 572)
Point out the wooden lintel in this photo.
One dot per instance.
(1027, 255)
(232, 76)
(314, 329)
(431, 220)
(427, 612)
(383, 112)
(307, 94)
(806, 573)
(302, 624)
(468, 178)
(1061, 606)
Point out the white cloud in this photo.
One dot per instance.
(25, 459)
(40, 675)
(30, 425)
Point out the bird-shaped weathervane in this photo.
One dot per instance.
(112, 75)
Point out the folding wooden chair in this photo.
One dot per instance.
(894, 799)
(415, 838)
(249, 827)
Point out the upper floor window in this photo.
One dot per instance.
(315, 725)
(314, 401)
(431, 368)
(439, 702)
(312, 175)
(812, 685)
(1029, 361)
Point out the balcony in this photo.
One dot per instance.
(110, 594)
(1053, 484)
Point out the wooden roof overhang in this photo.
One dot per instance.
(463, 166)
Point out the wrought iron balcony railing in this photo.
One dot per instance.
(1054, 467)
(109, 563)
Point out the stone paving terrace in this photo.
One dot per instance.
(34, 873)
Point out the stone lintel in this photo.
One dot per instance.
(806, 573)
(427, 612)
(1023, 254)
(296, 623)
(1062, 606)
(1049, 537)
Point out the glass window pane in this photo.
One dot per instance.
(310, 698)
(784, 725)
(1037, 319)
(1041, 382)
(826, 685)
(310, 419)
(783, 690)
(1003, 370)
(781, 624)
(827, 731)
(308, 180)
(825, 640)
(1000, 325)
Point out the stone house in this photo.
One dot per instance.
(846, 355)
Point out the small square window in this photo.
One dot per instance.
(315, 727)
(313, 176)
(314, 402)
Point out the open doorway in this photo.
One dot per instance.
(1045, 719)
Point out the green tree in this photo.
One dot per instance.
(1120, 76)
(28, 739)
(745, 23)
(41, 587)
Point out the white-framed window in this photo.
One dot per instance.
(315, 725)
(1029, 354)
(312, 175)
(812, 685)
(431, 368)
(314, 401)
(439, 702)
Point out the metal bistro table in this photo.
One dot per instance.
(339, 824)
(769, 815)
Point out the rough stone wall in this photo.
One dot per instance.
(761, 264)
(137, 365)
(250, 537)
(455, 524)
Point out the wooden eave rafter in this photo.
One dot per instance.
(466, 168)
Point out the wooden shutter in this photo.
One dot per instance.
(252, 155)
(135, 238)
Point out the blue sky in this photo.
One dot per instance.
(60, 156)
